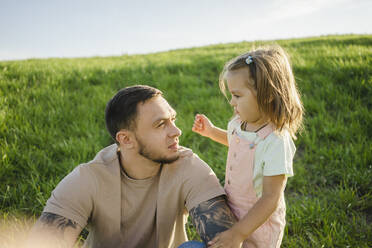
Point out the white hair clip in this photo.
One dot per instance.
(249, 60)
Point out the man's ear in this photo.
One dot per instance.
(125, 138)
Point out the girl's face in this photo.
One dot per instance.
(243, 99)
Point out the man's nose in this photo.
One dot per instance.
(175, 131)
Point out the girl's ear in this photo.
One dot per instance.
(125, 139)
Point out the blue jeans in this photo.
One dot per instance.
(192, 244)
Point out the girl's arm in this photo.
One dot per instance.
(203, 126)
(273, 186)
(219, 135)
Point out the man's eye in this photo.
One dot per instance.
(161, 124)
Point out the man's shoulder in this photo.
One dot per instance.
(188, 162)
(187, 158)
(103, 163)
(105, 155)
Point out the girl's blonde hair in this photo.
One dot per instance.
(270, 75)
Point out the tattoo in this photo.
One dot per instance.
(56, 221)
(212, 217)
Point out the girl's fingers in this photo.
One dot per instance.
(213, 241)
(196, 129)
(197, 121)
(199, 118)
(215, 245)
(203, 117)
(198, 126)
(195, 126)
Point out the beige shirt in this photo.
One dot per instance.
(91, 194)
(138, 211)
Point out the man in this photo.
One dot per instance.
(137, 192)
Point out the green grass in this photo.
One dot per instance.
(52, 119)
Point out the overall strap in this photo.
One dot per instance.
(261, 135)
(266, 131)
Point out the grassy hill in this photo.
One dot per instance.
(52, 119)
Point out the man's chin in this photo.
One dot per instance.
(168, 160)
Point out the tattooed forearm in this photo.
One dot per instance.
(212, 217)
(55, 222)
(55, 225)
(53, 230)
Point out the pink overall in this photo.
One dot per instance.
(241, 194)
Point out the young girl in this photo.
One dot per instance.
(267, 114)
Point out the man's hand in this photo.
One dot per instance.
(52, 230)
(212, 217)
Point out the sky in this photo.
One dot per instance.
(86, 28)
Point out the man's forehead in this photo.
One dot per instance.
(155, 108)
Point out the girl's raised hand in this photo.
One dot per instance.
(202, 125)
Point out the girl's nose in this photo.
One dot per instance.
(232, 102)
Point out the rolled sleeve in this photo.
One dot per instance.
(201, 183)
(73, 196)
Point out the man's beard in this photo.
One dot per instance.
(145, 152)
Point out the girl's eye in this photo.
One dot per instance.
(236, 96)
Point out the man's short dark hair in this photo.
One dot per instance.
(121, 110)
